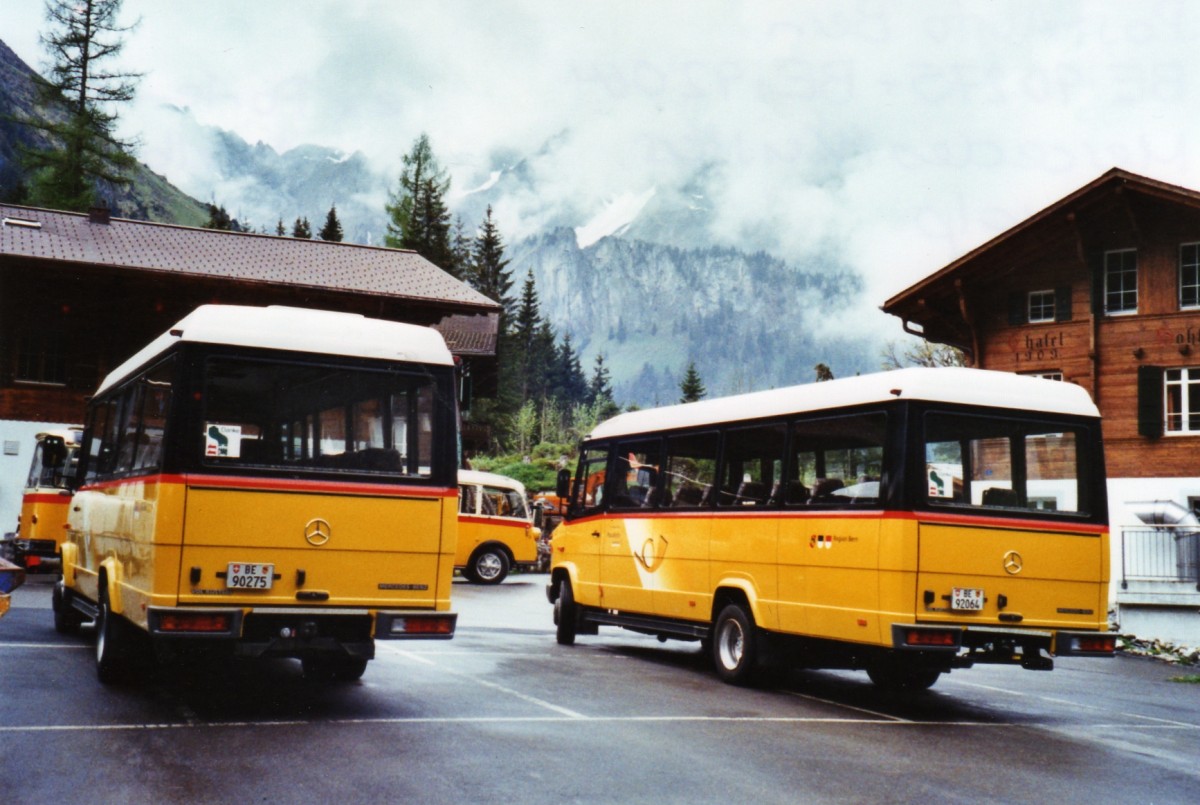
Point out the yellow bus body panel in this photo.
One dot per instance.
(475, 530)
(834, 575)
(388, 551)
(1048, 579)
(44, 515)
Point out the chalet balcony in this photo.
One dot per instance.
(1158, 596)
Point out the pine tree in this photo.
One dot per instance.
(600, 387)
(302, 229)
(423, 183)
(691, 387)
(279, 230)
(218, 218)
(430, 233)
(489, 271)
(570, 384)
(460, 250)
(83, 33)
(332, 230)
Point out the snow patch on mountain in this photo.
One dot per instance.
(616, 216)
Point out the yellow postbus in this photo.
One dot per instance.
(266, 482)
(906, 523)
(496, 528)
(43, 520)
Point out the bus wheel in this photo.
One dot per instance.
(734, 646)
(115, 644)
(489, 566)
(566, 614)
(899, 677)
(67, 619)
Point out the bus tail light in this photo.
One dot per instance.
(921, 637)
(416, 624)
(1086, 643)
(183, 622)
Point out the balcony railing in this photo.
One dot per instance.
(1160, 553)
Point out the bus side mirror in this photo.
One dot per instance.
(563, 489)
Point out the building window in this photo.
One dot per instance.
(41, 359)
(1041, 306)
(1181, 394)
(1189, 275)
(1120, 281)
(1048, 374)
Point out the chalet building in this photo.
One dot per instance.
(1102, 289)
(81, 293)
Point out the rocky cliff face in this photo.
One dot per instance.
(749, 321)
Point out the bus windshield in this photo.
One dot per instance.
(291, 415)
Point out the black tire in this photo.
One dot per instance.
(566, 615)
(899, 677)
(488, 565)
(116, 644)
(67, 619)
(735, 649)
(326, 669)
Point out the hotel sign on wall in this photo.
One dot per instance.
(1033, 349)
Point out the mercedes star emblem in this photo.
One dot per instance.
(317, 532)
(1012, 563)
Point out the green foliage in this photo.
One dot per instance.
(691, 387)
(302, 229)
(218, 218)
(418, 217)
(332, 231)
(82, 35)
(920, 353)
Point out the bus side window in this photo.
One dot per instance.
(837, 460)
(466, 499)
(691, 470)
(635, 481)
(752, 465)
(588, 492)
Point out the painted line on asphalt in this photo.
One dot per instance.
(866, 722)
(832, 703)
(484, 682)
(1079, 705)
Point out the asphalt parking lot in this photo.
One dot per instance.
(503, 713)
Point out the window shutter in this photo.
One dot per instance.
(1017, 308)
(1150, 401)
(1062, 304)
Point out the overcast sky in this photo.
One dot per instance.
(895, 135)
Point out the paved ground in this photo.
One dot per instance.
(503, 713)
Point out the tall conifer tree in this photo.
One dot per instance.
(332, 231)
(83, 35)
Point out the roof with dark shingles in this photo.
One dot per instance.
(72, 237)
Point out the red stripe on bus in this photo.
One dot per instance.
(497, 520)
(938, 518)
(284, 485)
(47, 497)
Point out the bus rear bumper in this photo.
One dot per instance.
(1032, 649)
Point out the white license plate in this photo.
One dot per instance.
(967, 598)
(249, 576)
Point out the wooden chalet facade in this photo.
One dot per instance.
(1102, 289)
(81, 293)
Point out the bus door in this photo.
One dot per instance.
(634, 492)
(578, 543)
(829, 582)
(1001, 552)
(678, 550)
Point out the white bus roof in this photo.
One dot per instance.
(490, 479)
(950, 385)
(295, 330)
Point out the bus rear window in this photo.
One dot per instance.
(1003, 464)
(303, 416)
